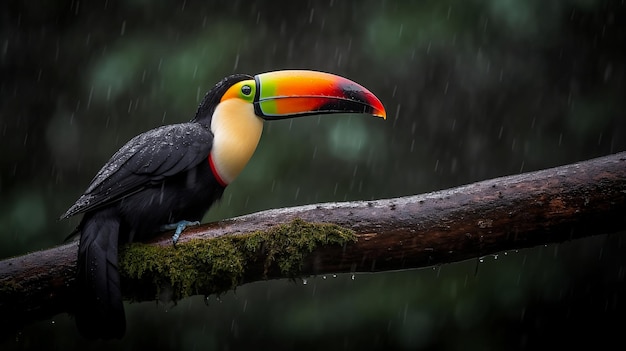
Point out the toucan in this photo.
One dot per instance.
(168, 177)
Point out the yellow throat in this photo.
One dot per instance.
(236, 130)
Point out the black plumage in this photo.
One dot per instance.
(159, 177)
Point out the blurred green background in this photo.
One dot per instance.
(473, 89)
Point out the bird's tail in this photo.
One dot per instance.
(100, 312)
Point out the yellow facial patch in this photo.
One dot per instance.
(244, 90)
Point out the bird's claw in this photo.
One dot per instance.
(179, 226)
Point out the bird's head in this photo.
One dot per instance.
(236, 107)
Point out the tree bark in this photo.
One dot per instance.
(487, 217)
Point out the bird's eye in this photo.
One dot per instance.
(246, 90)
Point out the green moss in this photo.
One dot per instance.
(10, 286)
(215, 265)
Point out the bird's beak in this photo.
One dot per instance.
(287, 94)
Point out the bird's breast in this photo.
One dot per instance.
(237, 131)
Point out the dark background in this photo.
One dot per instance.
(473, 89)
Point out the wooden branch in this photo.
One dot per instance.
(547, 206)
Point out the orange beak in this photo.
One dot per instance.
(287, 94)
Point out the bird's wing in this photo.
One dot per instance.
(145, 160)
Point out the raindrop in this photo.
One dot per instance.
(324, 277)
(304, 281)
(481, 260)
(334, 275)
(352, 276)
(90, 95)
(556, 250)
(397, 115)
(236, 62)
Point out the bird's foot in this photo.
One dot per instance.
(179, 226)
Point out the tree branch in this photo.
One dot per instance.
(547, 206)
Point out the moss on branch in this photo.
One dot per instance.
(206, 266)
